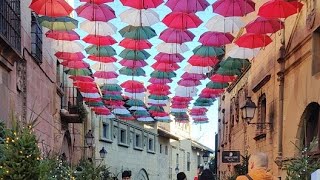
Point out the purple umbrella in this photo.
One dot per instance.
(171, 35)
(263, 25)
(228, 8)
(189, 82)
(193, 76)
(159, 81)
(215, 39)
(189, 6)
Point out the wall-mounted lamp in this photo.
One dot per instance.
(248, 111)
(89, 138)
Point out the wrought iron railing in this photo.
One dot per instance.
(73, 100)
(10, 23)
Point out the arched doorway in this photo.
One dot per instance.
(310, 127)
(142, 175)
(66, 147)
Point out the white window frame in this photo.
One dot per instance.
(109, 136)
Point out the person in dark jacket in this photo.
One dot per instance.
(181, 176)
(206, 175)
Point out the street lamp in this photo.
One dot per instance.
(248, 110)
(176, 170)
(103, 153)
(89, 138)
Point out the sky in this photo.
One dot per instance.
(202, 133)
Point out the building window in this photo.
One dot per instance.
(36, 39)
(177, 159)
(138, 141)
(262, 114)
(105, 131)
(199, 160)
(160, 149)
(123, 136)
(232, 104)
(312, 125)
(188, 161)
(315, 52)
(166, 150)
(151, 144)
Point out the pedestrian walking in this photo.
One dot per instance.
(199, 171)
(257, 167)
(181, 176)
(126, 175)
(206, 175)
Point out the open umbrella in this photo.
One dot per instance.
(159, 81)
(100, 50)
(99, 40)
(133, 63)
(81, 84)
(208, 51)
(168, 58)
(160, 93)
(142, 4)
(171, 35)
(243, 53)
(229, 72)
(155, 97)
(135, 44)
(105, 59)
(180, 20)
(234, 63)
(141, 90)
(279, 9)
(137, 32)
(203, 61)
(98, 28)
(230, 8)
(78, 72)
(263, 25)
(183, 99)
(165, 67)
(197, 69)
(59, 23)
(224, 24)
(67, 46)
(75, 64)
(105, 75)
(132, 72)
(159, 87)
(135, 95)
(104, 67)
(137, 108)
(96, 12)
(135, 102)
(82, 78)
(216, 85)
(66, 56)
(193, 76)
(132, 84)
(52, 8)
(97, 1)
(145, 119)
(134, 54)
(216, 39)
(188, 83)
(63, 35)
(191, 6)
(252, 41)
(222, 78)
(163, 75)
(143, 17)
(111, 87)
(172, 48)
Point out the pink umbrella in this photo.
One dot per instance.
(96, 12)
(189, 83)
(168, 58)
(104, 59)
(160, 93)
(135, 90)
(67, 56)
(183, 99)
(203, 61)
(82, 78)
(63, 35)
(157, 87)
(159, 81)
(228, 8)
(99, 40)
(193, 76)
(279, 9)
(171, 35)
(105, 75)
(133, 63)
(165, 67)
(212, 91)
(75, 64)
(263, 25)
(189, 6)
(180, 20)
(135, 44)
(97, 1)
(179, 106)
(222, 78)
(250, 40)
(216, 39)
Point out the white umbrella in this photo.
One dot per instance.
(198, 117)
(106, 81)
(152, 101)
(162, 118)
(137, 108)
(145, 119)
(224, 24)
(140, 96)
(177, 110)
(187, 89)
(67, 46)
(120, 111)
(197, 69)
(136, 17)
(104, 67)
(243, 53)
(172, 48)
(197, 107)
(110, 116)
(90, 95)
(98, 28)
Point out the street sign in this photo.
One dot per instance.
(231, 157)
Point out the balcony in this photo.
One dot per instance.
(10, 26)
(72, 110)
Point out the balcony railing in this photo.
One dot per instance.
(10, 23)
(74, 100)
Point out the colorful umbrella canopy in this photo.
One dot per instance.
(197, 69)
(155, 97)
(222, 78)
(168, 58)
(252, 41)
(63, 35)
(158, 87)
(193, 76)
(234, 63)
(263, 25)
(133, 63)
(165, 67)
(99, 40)
(191, 6)
(171, 35)
(105, 75)
(172, 48)
(135, 95)
(188, 83)
(224, 24)
(135, 44)
(132, 72)
(90, 95)
(82, 78)
(139, 32)
(135, 17)
(203, 61)
(159, 81)
(97, 1)
(111, 87)
(230, 8)
(132, 84)
(180, 20)
(78, 72)
(163, 75)
(77, 56)
(243, 53)
(105, 59)
(279, 9)
(60, 23)
(229, 72)
(98, 28)
(135, 102)
(67, 46)
(52, 8)
(134, 54)
(104, 67)
(142, 4)
(216, 85)
(75, 64)
(100, 50)
(208, 51)
(81, 84)
(95, 12)
(216, 39)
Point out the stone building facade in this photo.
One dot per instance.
(284, 84)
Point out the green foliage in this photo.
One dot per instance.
(300, 168)
(54, 168)
(82, 111)
(87, 170)
(240, 169)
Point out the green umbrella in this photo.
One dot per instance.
(78, 72)
(111, 87)
(228, 72)
(202, 104)
(164, 120)
(155, 97)
(204, 100)
(135, 102)
(112, 97)
(134, 54)
(124, 115)
(234, 63)
(95, 104)
(59, 23)
(202, 50)
(140, 113)
(100, 50)
(156, 108)
(138, 32)
(216, 85)
(132, 72)
(163, 75)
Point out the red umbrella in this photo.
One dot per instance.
(82, 78)
(96, 12)
(97, 1)
(137, 90)
(133, 63)
(135, 44)
(180, 20)
(63, 35)
(203, 61)
(81, 84)
(252, 41)
(179, 106)
(106, 59)
(132, 84)
(75, 64)
(165, 67)
(142, 4)
(196, 110)
(105, 75)
(279, 9)
(212, 91)
(67, 56)
(159, 114)
(88, 90)
(171, 35)
(157, 87)
(159, 81)
(101, 110)
(190, 6)
(114, 103)
(222, 78)
(168, 58)
(215, 39)
(228, 8)
(99, 40)
(263, 25)
(178, 98)
(194, 76)
(92, 99)
(52, 8)
(160, 93)
(188, 83)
